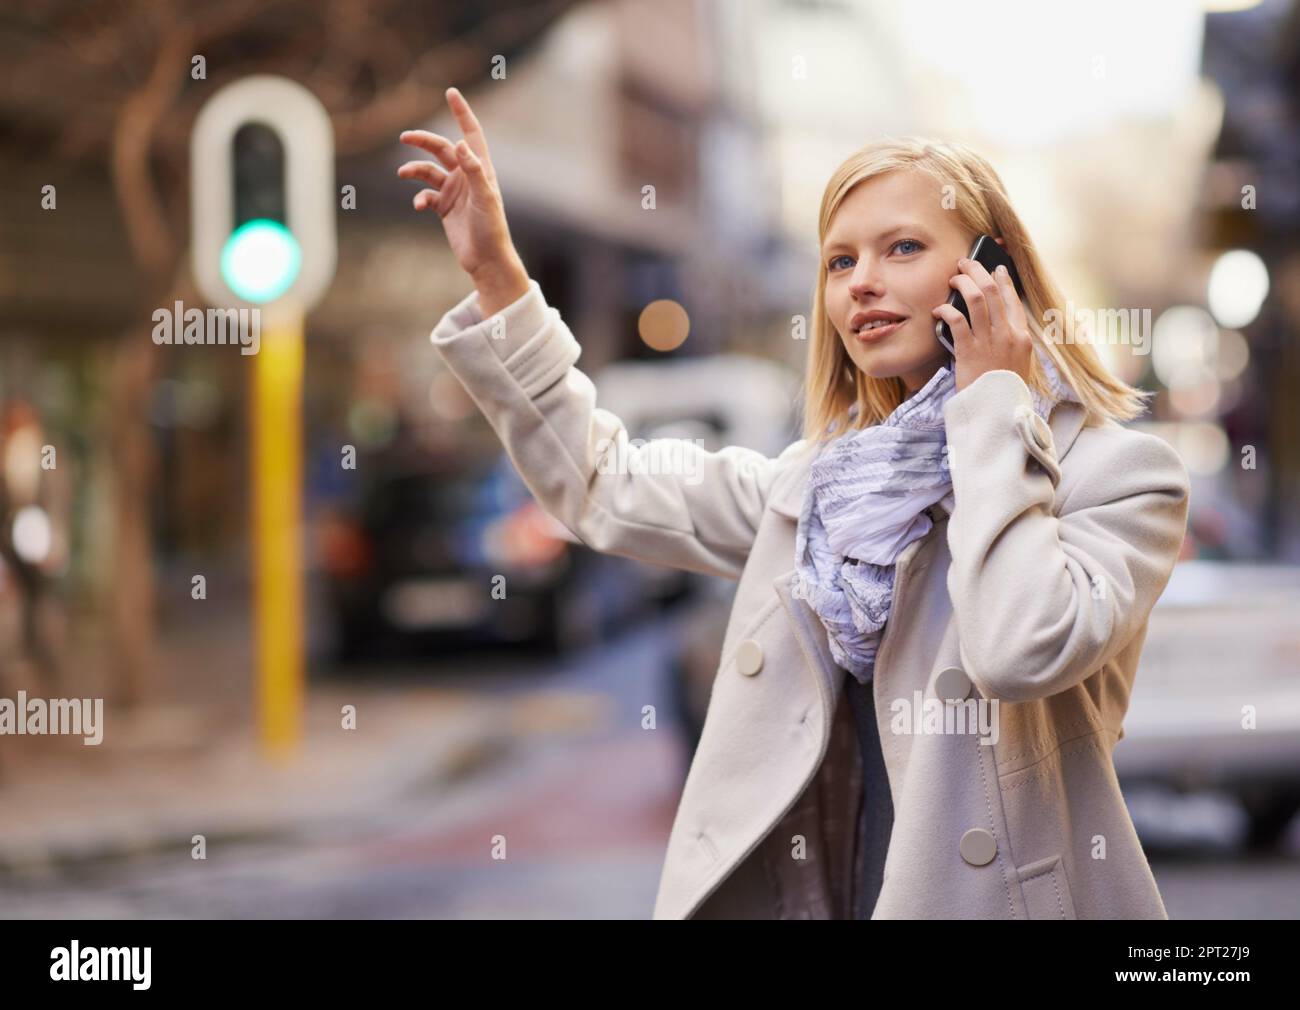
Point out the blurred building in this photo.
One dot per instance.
(617, 98)
(1250, 200)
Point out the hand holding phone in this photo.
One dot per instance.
(987, 252)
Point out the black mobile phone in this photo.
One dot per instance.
(985, 251)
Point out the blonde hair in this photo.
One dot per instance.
(834, 384)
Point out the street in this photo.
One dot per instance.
(582, 797)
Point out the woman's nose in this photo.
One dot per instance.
(866, 281)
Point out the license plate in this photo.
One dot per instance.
(435, 603)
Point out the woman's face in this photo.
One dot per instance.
(891, 248)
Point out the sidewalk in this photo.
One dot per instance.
(164, 775)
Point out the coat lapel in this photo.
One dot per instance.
(786, 498)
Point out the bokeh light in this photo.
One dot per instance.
(1237, 287)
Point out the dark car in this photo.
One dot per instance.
(456, 553)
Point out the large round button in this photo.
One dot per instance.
(1033, 429)
(749, 657)
(978, 847)
(952, 684)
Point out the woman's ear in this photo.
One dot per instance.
(999, 241)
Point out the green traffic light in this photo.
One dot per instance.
(260, 261)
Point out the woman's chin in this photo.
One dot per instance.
(882, 364)
(885, 366)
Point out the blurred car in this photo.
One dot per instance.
(418, 563)
(1216, 704)
(724, 399)
(412, 567)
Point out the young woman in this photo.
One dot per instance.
(943, 587)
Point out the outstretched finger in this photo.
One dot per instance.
(469, 126)
(440, 147)
(425, 199)
(426, 171)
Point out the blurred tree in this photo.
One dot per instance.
(113, 83)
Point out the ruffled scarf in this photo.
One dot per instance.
(866, 500)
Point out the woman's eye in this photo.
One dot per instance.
(900, 242)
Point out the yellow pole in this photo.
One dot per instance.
(277, 529)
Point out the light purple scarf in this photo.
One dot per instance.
(865, 502)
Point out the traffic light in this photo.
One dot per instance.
(261, 259)
(263, 234)
(262, 195)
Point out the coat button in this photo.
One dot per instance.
(952, 684)
(749, 657)
(1034, 431)
(978, 847)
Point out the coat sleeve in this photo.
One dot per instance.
(666, 501)
(1043, 600)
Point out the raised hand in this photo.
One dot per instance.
(462, 188)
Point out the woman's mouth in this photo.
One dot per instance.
(873, 332)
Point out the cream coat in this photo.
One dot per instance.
(1029, 601)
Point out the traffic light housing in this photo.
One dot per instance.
(262, 195)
